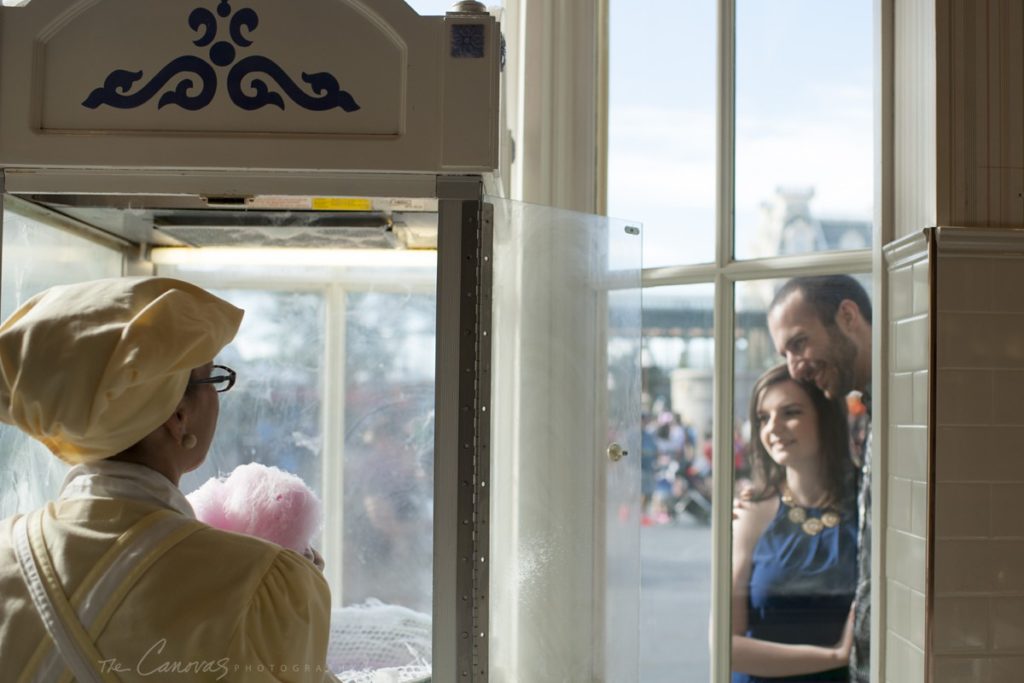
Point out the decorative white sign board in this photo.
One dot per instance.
(313, 85)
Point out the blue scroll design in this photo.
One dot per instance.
(247, 18)
(327, 92)
(114, 92)
(203, 18)
(325, 85)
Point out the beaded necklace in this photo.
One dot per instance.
(812, 526)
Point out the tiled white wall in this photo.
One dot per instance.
(907, 467)
(978, 620)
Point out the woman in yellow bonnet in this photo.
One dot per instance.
(116, 580)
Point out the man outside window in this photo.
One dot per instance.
(822, 328)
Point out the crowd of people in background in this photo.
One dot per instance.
(675, 469)
(676, 464)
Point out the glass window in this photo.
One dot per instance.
(676, 482)
(804, 127)
(803, 184)
(37, 256)
(661, 126)
(797, 466)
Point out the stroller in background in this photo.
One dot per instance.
(691, 491)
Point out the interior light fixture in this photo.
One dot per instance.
(277, 256)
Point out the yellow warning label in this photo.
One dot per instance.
(341, 204)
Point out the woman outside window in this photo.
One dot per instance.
(795, 539)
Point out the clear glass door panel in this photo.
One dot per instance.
(804, 126)
(623, 392)
(37, 256)
(566, 444)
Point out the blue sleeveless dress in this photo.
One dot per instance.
(802, 586)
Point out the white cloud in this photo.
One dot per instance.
(663, 154)
(836, 160)
(667, 156)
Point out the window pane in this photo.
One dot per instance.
(661, 137)
(273, 413)
(365, 444)
(35, 257)
(389, 448)
(798, 457)
(675, 540)
(804, 126)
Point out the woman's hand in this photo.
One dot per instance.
(317, 559)
(742, 502)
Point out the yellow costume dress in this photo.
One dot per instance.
(155, 594)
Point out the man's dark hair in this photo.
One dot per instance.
(824, 293)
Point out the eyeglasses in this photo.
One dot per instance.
(221, 377)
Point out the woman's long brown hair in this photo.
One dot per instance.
(833, 439)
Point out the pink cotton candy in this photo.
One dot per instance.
(208, 503)
(261, 501)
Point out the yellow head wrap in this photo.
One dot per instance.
(90, 369)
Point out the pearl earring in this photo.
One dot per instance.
(189, 441)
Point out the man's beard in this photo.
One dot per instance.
(843, 359)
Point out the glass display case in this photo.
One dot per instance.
(338, 362)
(456, 375)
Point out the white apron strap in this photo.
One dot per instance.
(73, 632)
(82, 664)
